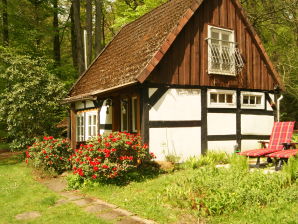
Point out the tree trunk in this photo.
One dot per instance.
(73, 40)
(56, 41)
(5, 23)
(98, 26)
(78, 35)
(89, 30)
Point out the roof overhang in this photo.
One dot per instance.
(95, 94)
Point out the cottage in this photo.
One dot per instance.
(189, 76)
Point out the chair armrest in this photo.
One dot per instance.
(263, 143)
(288, 145)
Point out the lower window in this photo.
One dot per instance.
(87, 126)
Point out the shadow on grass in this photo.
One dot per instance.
(11, 158)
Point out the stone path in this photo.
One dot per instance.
(99, 208)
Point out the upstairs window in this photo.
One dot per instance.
(221, 98)
(252, 100)
(223, 56)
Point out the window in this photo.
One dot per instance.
(252, 100)
(86, 125)
(80, 127)
(124, 115)
(221, 98)
(134, 104)
(91, 124)
(223, 56)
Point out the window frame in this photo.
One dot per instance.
(222, 105)
(126, 100)
(253, 106)
(80, 127)
(232, 43)
(134, 114)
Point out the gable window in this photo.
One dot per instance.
(252, 100)
(223, 56)
(221, 98)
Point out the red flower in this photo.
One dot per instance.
(115, 168)
(128, 143)
(107, 144)
(113, 150)
(95, 168)
(105, 166)
(94, 176)
(45, 138)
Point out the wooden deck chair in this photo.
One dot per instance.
(282, 132)
(283, 155)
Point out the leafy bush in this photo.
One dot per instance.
(50, 154)
(110, 157)
(211, 158)
(291, 169)
(29, 98)
(210, 191)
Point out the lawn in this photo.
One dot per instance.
(19, 193)
(209, 195)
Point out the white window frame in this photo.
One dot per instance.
(253, 106)
(134, 113)
(222, 105)
(94, 127)
(80, 129)
(232, 45)
(127, 114)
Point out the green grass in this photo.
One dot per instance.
(19, 193)
(212, 195)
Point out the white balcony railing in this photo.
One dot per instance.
(224, 58)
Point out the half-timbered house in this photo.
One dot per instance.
(189, 76)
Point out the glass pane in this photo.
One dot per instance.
(252, 100)
(245, 99)
(89, 131)
(134, 121)
(90, 120)
(225, 39)
(124, 117)
(221, 98)
(214, 37)
(259, 99)
(229, 98)
(213, 98)
(94, 119)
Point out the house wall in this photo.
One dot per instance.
(105, 118)
(174, 123)
(185, 123)
(186, 62)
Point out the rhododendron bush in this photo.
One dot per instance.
(50, 154)
(110, 156)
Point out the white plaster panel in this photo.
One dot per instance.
(152, 91)
(183, 142)
(250, 144)
(79, 105)
(269, 108)
(89, 104)
(221, 124)
(256, 124)
(106, 117)
(177, 104)
(222, 146)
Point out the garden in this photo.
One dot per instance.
(118, 169)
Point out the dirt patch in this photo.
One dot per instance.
(28, 215)
(6, 154)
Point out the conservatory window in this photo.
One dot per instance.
(223, 56)
(80, 127)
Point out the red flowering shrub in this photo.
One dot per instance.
(110, 156)
(50, 154)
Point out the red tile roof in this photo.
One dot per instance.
(129, 53)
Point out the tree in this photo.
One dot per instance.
(56, 39)
(98, 26)
(5, 23)
(79, 49)
(29, 101)
(89, 31)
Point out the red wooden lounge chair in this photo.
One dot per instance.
(282, 132)
(284, 155)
